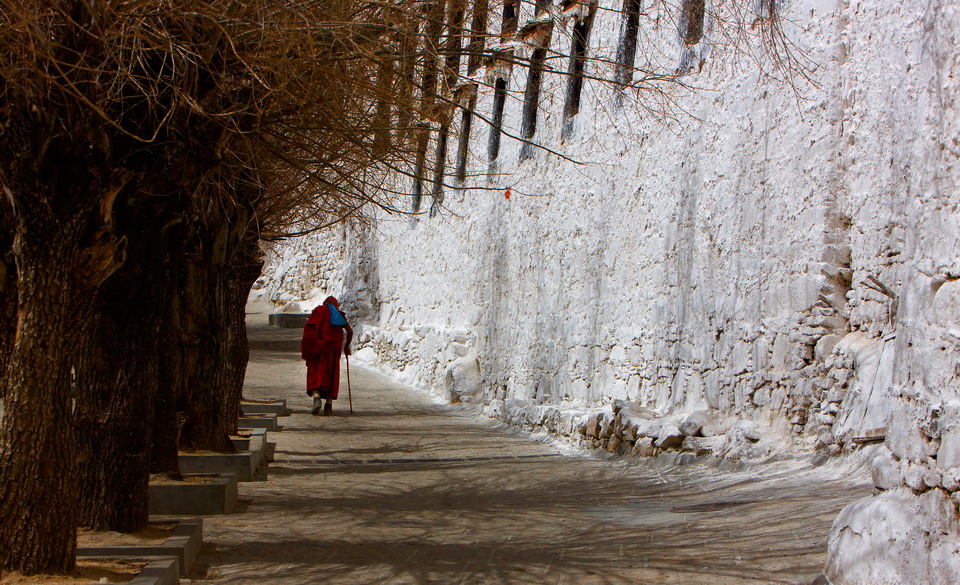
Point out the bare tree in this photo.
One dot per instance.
(121, 122)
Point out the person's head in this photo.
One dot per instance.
(332, 300)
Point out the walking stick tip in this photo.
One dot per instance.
(349, 389)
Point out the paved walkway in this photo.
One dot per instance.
(405, 491)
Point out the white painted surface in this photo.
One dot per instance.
(788, 263)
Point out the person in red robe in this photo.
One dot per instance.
(320, 346)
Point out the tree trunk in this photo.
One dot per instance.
(8, 288)
(170, 404)
(244, 270)
(37, 463)
(204, 344)
(118, 382)
(218, 278)
(58, 208)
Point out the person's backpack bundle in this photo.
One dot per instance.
(336, 317)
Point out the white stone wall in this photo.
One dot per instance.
(767, 271)
(900, 93)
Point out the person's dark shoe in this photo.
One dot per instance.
(327, 409)
(316, 410)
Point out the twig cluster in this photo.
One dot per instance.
(301, 109)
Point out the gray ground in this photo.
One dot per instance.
(406, 491)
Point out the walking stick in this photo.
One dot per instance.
(349, 390)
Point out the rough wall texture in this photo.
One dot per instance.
(762, 273)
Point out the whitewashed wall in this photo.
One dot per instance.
(785, 268)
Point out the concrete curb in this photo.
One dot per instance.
(249, 444)
(268, 452)
(195, 499)
(278, 407)
(241, 443)
(183, 545)
(243, 465)
(159, 572)
(257, 441)
(261, 421)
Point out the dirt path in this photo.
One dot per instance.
(408, 491)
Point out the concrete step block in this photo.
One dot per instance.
(256, 432)
(269, 449)
(241, 443)
(257, 439)
(243, 464)
(277, 407)
(159, 570)
(260, 421)
(195, 499)
(255, 444)
(183, 545)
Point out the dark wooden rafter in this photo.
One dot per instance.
(692, 19)
(443, 136)
(499, 101)
(475, 46)
(387, 75)
(536, 33)
(531, 95)
(433, 16)
(627, 47)
(463, 146)
(583, 14)
(508, 28)
(478, 37)
(453, 51)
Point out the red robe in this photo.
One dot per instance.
(321, 346)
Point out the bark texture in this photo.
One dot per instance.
(37, 503)
(59, 195)
(118, 381)
(117, 384)
(37, 510)
(218, 275)
(8, 285)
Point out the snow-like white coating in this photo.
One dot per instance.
(784, 269)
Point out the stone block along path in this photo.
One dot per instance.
(408, 491)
